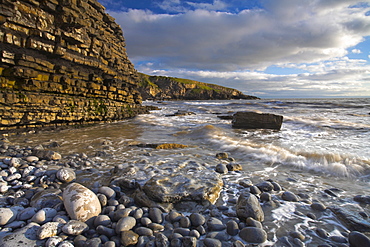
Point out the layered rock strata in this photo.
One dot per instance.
(63, 62)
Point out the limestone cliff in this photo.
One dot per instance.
(63, 62)
(170, 88)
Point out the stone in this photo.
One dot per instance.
(234, 167)
(8, 215)
(232, 228)
(53, 241)
(81, 203)
(144, 231)
(253, 120)
(44, 215)
(352, 221)
(289, 196)
(215, 224)
(211, 242)
(66, 175)
(197, 219)
(221, 168)
(75, 227)
(248, 206)
(189, 241)
(107, 191)
(103, 220)
(26, 235)
(200, 186)
(129, 238)
(49, 229)
(253, 235)
(358, 239)
(222, 156)
(27, 213)
(161, 240)
(155, 214)
(318, 206)
(265, 186)
(125, 224)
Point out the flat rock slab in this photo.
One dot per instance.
(253, 120)
(197, 186)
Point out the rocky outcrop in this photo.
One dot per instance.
(171, 88)
(253, 120)
(63, 62)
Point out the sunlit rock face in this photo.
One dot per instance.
(63, 62)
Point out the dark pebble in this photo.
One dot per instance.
(358, 239)
(211, 242)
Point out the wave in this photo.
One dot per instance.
(270, 154)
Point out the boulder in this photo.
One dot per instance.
(200, 186)
(81, 203)
(253, 120)
(249, 206)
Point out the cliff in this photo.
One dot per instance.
(171, 88)
(63, 62)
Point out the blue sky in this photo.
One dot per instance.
(266, 48)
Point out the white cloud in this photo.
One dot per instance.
(228, 48)
(356, 51)
(285, 32)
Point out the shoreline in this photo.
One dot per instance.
(222, 224)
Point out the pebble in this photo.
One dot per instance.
(107, 191)
(144, 231)
(8, 215)
(211, 242)
(197, 219)
(49, 229)
(103, 220)
(318, 206)
(222, 168)
(215, 224)
(155, 214)
(265, 186)
(232, 228)
(53, 241)
(129, 238)
(44, 215)
(75, 227)
(358, 239)
(253, 235)
(189, 241)
(289, 196)
(234, 167)
(125, 224)
(66, 175)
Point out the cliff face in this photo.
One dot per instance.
(63, 62)
(170, 88)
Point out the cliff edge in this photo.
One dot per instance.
(171, 88)
(63, 62)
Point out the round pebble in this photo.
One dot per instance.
(129, 238)
(211, 242)
(49, 229)
(253, 235)
(155, 214)
(125, 224)
(215, 224)
(232, 228)
(222, 168)
(197, 219)
(358, 239)
(289, 196)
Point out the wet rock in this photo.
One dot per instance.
(362, 199)
(253, 235)
(221, 168)
(255, 190)
(277, 186)
(265, 186)
(353, 222)
(358, 239)
(253, 223)
(47, 154)
(238, 243)
(222, 156)
(265, 197)
(322, 233)
(318, 206)
(253, 120)
(234, 167)
(50, 229)
(248, 206)
(129, 238)
(75, 227)
(66, 175)
(80, 202)
(338, 239)
(289, 196)
(246, 183)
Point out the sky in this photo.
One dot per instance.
(265, 48)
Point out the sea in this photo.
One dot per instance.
(323, 146)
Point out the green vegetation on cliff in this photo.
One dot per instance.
(172, 88)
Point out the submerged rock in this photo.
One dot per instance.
(353, 222)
